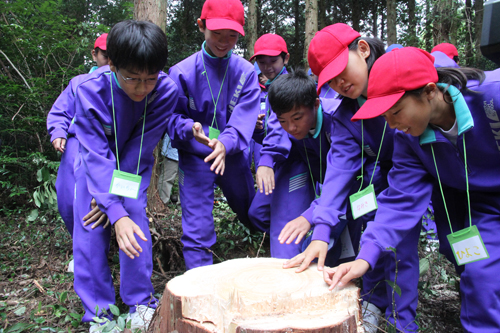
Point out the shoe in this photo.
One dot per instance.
(71, 266)
(97, 328)
(141, 317)
(371, 317)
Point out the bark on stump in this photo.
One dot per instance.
(254, 296)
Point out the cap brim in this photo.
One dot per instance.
(271, 53)
(334, 68)
(220, 23)
(374, 107)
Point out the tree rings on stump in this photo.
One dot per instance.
(256, 295)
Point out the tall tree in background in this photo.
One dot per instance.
(311, 25)
(412, 25)
(151, 10)
(478, 24)
(251, 28)
(391, 22)
(154, 11)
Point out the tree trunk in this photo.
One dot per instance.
(375, 18)
(469, 41)
(478, 26)
(428, 26)
(392, 36)
(151, 10)
(321, 14)
(412, 26)
(356, 14)
(154, 11)
(255, 296)
(251, 29)
(311, 25)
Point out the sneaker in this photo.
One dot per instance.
(371, 317)
(71, 266)
(141, 318)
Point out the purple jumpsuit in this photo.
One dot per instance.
(297, 173)
(236, 115)
(344, 165)
(59, 125)
(94, 168)
(410, 187)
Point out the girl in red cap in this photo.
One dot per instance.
(358, 151)
(447, 121)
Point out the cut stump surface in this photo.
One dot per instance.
(253, 296)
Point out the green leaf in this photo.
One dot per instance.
(20, 311)
(114, 309)
(121, 323)
(394, 286)
(37, 200)
(39, 175)
(423, 266)
(33, 215)
(63, 297)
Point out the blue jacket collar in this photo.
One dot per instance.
(462, 113)
(319, 122)
(268, 83)
(227, 56)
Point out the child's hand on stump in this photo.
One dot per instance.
(125, 229)
(344, 273)
(317, 249)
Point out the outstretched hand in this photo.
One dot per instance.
(344, 273)
(296, 229)
(317, 249)
(218, 155)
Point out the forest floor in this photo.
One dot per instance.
(36, 291)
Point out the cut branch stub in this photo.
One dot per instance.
(256, 295)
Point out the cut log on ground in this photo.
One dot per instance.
(256, 296)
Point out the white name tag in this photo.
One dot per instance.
(125, 184)
(468, 246)
(347, 249)
(363, 202)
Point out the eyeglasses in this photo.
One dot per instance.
(134, 81)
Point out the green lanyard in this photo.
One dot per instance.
(211, 94)
(441, 187)
(267, 117)
(320, 167)
(327, 91)
(116, 133)
(362, 150)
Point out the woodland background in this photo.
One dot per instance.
(44, 43)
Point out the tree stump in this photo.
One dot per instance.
(256, 296)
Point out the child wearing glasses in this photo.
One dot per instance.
(121, 114)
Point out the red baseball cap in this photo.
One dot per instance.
(449, 49)
(329, 51)
(100, 42)
(392, 75)
(270, 45)
(224, 14)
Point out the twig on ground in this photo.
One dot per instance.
(262, 242)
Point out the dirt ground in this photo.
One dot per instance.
(36, 291)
